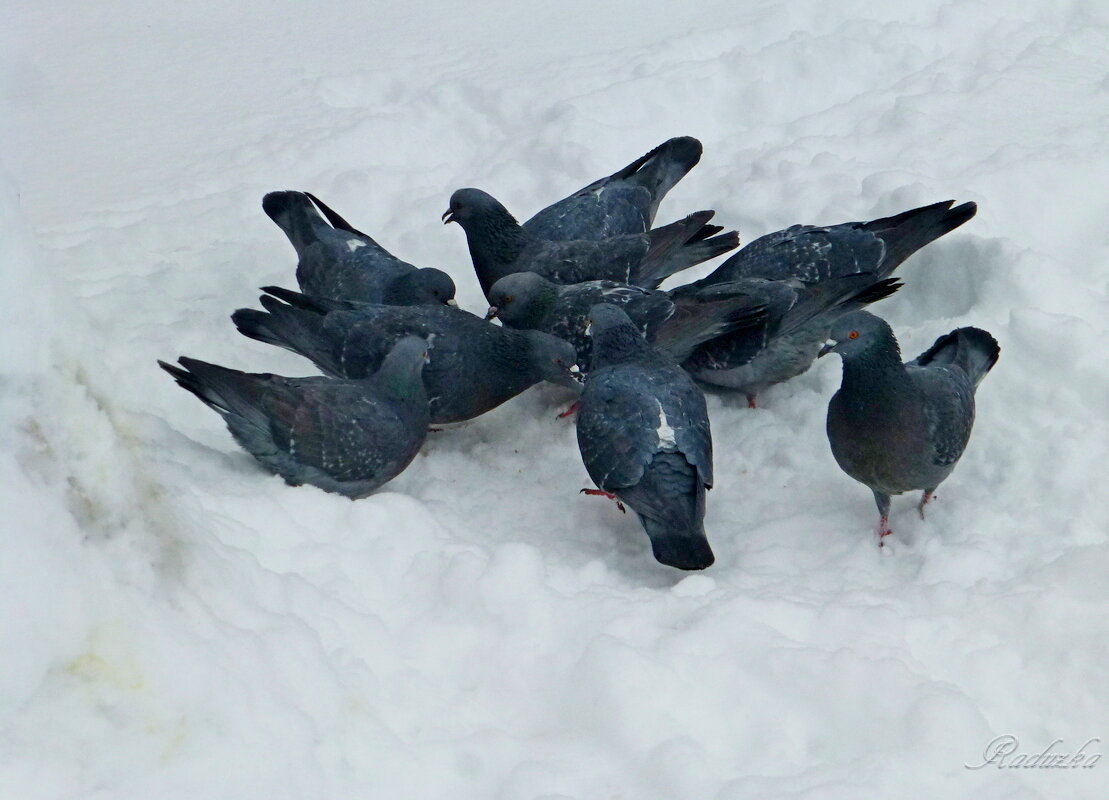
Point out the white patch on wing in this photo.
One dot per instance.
(666, 439)
(354, 244)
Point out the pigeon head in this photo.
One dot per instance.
(428, 286)
(857, 333)
(400, 373)
(615, 337)
(554, 358)
(522, 300)
(470, 205)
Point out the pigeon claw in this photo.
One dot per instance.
(609, 495)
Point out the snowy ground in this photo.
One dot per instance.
(178, 624)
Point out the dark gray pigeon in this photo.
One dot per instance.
(785, 342)
(345, 436)
(643, 432)
(499, 246)
(624, 202)
(339, 262)
(900, 427)
(474, 365)
(675, 325)
(813, 254)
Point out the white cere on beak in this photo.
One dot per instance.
(452, 302)
(575, 370)
(589, 329)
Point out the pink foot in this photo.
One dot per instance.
(928, 496)
(571, 410)
(751, 401)
(883, 531)
(609, 495)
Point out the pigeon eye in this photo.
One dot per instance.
(508, 299)
(853, 335)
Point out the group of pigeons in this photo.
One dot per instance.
(575, 289)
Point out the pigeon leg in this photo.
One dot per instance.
(609, 495)
(571, 410)
(924, 501)
(883, 503)
(751, 401)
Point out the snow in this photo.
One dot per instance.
(176, 623)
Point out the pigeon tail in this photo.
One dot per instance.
(292, 328)
(335, 220)
(670, 502)
(697, 322)
(660, 170)
(905, 233)
(844, 294)
(294, 213)
(681, 245)
(973, 350)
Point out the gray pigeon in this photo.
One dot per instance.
(339, 262)
(345, 436)
(785, 342)
(624, 202)
(675, 325)
(813, 254)
(499, 246)
(474, 365)
(643, 433)
(900, 427)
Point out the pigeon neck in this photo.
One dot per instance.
(495, 240)
(876, 370)
(619, 344)
(401, 378)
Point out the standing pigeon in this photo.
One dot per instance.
(675, 325)
(624, 202)
(813, 254)
(339, 262)
(900, 427)
(474, 366)
(643, 433)
(786, 341)
(345, 436)
(499, 246)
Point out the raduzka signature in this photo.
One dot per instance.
(1002, 752)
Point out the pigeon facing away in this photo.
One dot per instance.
(786, 341)
(474, 365)
(675, 325)
(622, 203)
(499, 246)
(339, 262)
(900, 427)
(813, 254)
(643, 433)
(345, 436)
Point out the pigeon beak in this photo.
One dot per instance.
(828, 347)
(492, 312)
(447, 217)
(452, 303)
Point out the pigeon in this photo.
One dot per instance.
(339, 262)
(813, 254)
(499, 246)
(344, 436)
(474, 365)
(643, 433)
(790, 335)
(624, 202)
(528, 301)
(901, 427)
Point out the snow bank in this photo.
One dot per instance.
(178, 623)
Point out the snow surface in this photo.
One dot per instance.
(178, 624)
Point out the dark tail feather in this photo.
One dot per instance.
(228, 391)
(681, 245)
(670, 502)
(319, 305)
(907, 232)
(695, 322)
(973, 350)
(296, 216)
(335, 220)
(659, 170)
(842, 294)
(294, 329)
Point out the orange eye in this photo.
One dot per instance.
(853, 335)
(508, 299)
